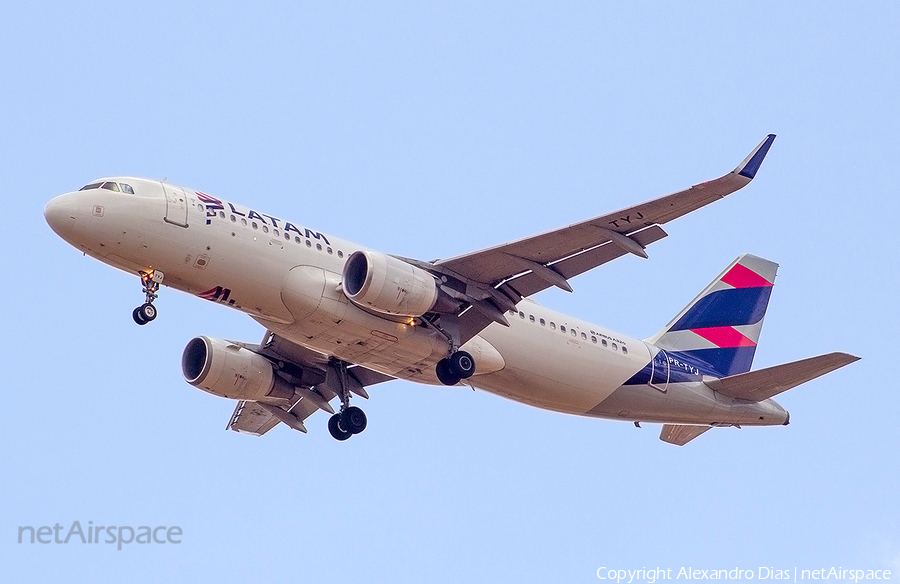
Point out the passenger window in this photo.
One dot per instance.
(265, 228)
(254, 225)
(222, 214)
(552, 325)
(531, 317)
(340, 254)
(275, 232)
(297, 239)
(593, 339)
(624, 349)
(111, 186)
(319, 246)
(244, 222)
(562, 327)
(233, 219)
(128, 190)
(308, 243)
(543, 322)
(287, 236)
(604, 343)
(583, 336)
(521, 314)
(614, 347)
(329, 251)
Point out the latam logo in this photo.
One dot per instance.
(218, 294)
(214, 205)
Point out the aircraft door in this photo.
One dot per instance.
(659, 378)
(176, 205)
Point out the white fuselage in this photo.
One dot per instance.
(288, 278)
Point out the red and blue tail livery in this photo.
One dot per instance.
(718, 331)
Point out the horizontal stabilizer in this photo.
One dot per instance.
(680, 434)
(765, 383)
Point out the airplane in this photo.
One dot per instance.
(340, 317)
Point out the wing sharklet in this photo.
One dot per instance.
(751, 164)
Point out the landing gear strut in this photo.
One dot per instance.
(453, 369)
(350, 420)
(146, 311)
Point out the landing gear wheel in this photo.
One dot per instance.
(462, 364)
(353, 420)
(445, 373)
(147, 311)
(138, 317)
(336, 429)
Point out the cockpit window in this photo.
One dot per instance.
(110, 186)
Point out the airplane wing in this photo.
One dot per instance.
(308, 371)
(559, 249)
(527, 266)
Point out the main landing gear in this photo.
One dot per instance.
(458, 365)
(350, 420)
(146, 311)
(453, 369)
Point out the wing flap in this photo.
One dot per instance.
(765, 383)
(530, 283)
(251, 418)
(680, 434)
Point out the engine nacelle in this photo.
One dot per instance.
(386, 285)
(228, 370)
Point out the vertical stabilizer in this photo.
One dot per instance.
(719, 330)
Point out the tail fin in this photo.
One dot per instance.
(719, 330)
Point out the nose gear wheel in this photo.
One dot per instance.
(146, 311)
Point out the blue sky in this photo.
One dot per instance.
(429, 130)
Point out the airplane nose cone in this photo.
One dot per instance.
(61, 214)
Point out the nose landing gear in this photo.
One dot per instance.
(146, 311)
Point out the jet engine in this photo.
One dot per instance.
(390, 286)
(229, 370)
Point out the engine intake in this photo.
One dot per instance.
(228, 370)
(386, 285)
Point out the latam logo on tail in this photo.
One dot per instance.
(341, 318)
